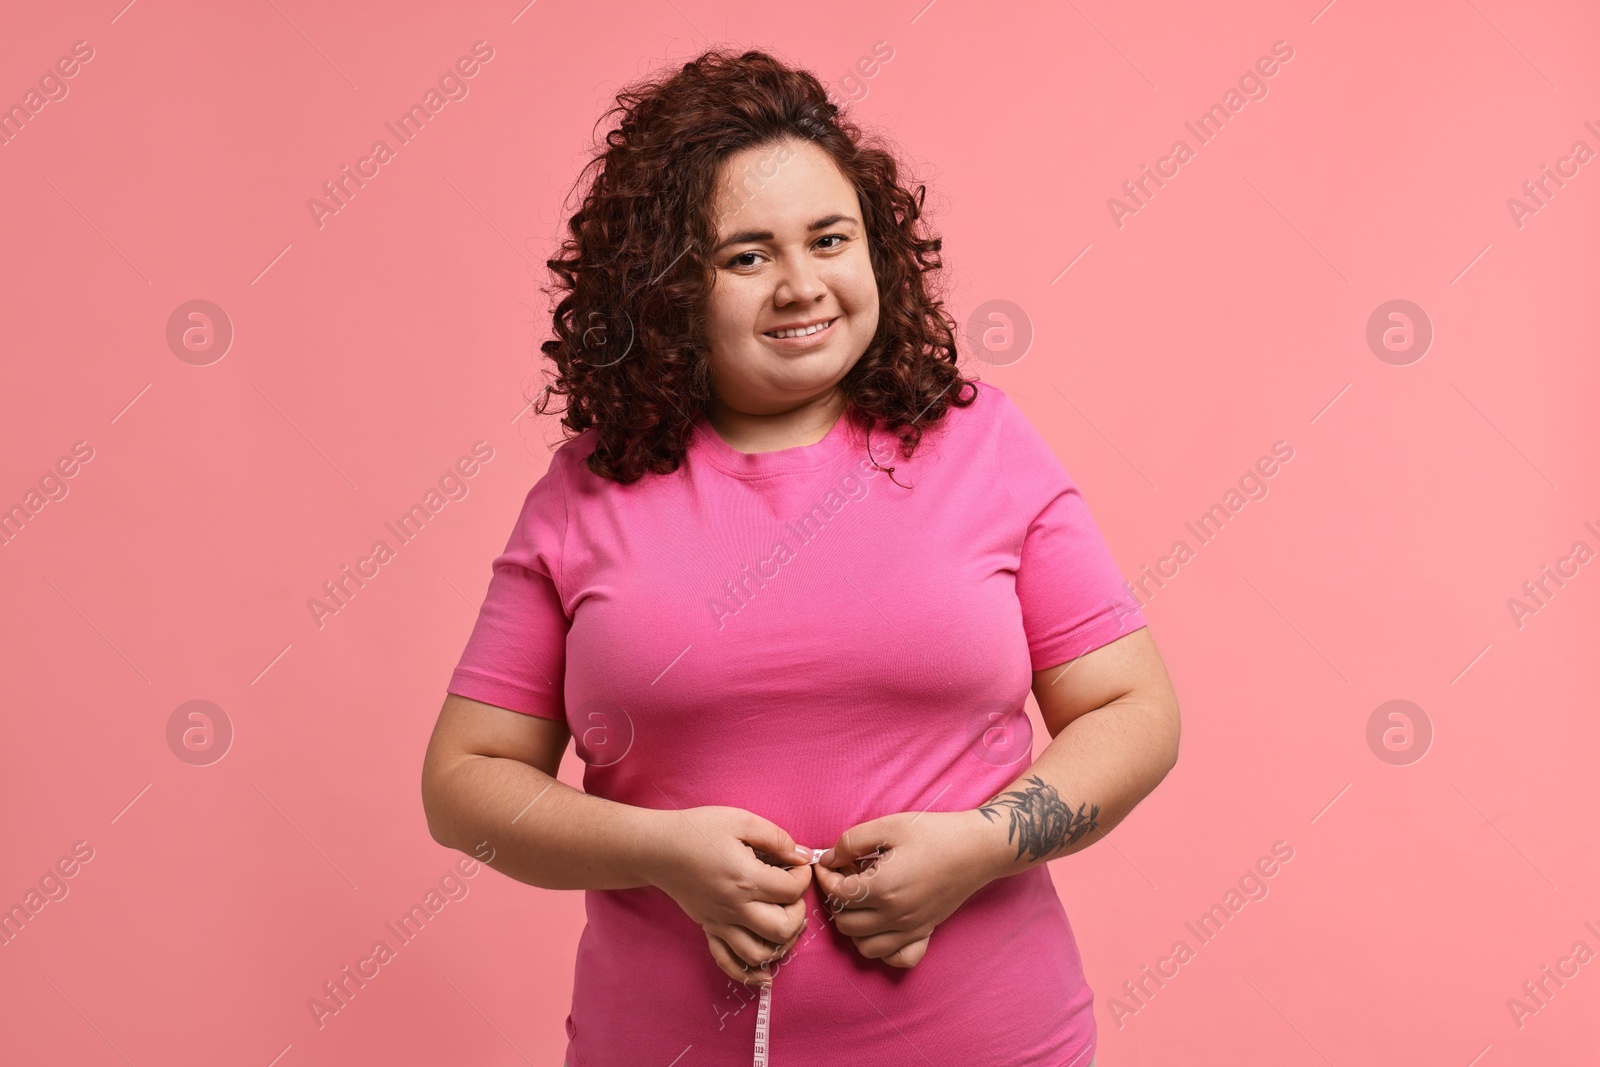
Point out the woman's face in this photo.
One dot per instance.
(792, 250)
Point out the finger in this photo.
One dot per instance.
(748, 949)
(776, 923)
(910, 955)
(732, 965)
(797, 914)
(722, 956)
(892, 943)
(847, 890)
(777, 885)
(794, 939)
(863, 923)
(763, 835)
(858, 842)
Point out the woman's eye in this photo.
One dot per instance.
(743, 259)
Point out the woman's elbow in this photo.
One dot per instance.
(436, 808)
(1174, 733)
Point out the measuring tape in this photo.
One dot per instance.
(763, 1018)
(764, 1008)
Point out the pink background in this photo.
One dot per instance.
(369, 354)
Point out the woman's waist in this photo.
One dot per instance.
(1001, 982)
(1011, 934)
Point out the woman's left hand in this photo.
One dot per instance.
(926, 865)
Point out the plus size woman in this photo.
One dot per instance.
(786, 589)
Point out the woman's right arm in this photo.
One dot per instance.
(489, 778)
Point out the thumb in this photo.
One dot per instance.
(908, 955)
(770, 838)
(858, 842)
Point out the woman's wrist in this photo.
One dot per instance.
(993, 854)
(1030, 823)
(643, 835)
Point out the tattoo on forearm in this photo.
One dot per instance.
(1041, 822)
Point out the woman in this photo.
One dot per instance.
(767, 640)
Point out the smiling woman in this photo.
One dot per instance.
(734, 200)
(794, 302)
(815, 765)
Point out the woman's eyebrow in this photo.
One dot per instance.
(766, 235)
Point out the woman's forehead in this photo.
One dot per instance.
(767, 188)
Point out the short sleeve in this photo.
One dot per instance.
(516, 655)
(1074, 598)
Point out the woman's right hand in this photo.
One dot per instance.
(706, 859)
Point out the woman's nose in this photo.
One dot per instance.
(800, 281)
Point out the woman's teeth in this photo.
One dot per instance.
(801, 333)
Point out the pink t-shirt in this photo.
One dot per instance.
(793, 633)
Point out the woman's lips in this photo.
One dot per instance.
(800, 344)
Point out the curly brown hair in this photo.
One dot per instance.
(629, 344)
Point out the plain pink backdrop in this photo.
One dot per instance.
(1169, 353)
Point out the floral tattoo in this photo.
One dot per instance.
(1040, 821)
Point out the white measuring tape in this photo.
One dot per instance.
(764, 1008)
(763, 1018)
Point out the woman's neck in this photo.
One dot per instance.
(800, 426)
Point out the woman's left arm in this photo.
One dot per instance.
(1113, 719)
